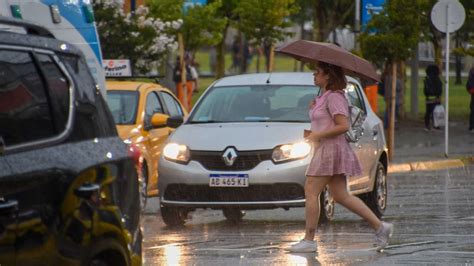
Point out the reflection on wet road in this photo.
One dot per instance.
(432, 212)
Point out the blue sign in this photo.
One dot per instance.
(190, 3)
(370, 8)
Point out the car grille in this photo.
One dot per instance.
(204, 193)
(246, 160)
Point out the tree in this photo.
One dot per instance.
(330, 14)
(300, 18)
(226, 10)
(263, 22)
(430, 33)
(138, 37)
(390, 38)
(201, 25)
(465, 37)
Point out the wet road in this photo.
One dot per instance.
(433, 213)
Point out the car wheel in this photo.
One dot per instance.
(376, 200)
(173, 217)
(326, 203)
(233, 215)
(143, 187)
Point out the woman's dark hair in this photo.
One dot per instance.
(337, 79)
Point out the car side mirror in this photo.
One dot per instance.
(174, 121)
(158, 120)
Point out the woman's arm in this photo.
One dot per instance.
(342, 125)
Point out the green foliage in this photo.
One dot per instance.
(330, 14)
(140, 38)
(201, 24)
(466, 32)
(305, 11)
(393, 34)
(265, 20)
(167, 10)
(202, 27)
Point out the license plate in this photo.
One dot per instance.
(228, 180)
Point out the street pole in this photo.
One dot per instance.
(446, 123)
(446, 22)
(391, 125)
(357, 25)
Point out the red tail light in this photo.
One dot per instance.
(135, 153)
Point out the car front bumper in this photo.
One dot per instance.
(270, 186)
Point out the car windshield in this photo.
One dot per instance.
(267, 103)
(123, 105)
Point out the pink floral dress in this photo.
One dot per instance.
(333, 155)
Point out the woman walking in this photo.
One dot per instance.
(333, 158)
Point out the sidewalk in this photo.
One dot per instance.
(416, 149)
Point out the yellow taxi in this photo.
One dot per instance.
(145, 115)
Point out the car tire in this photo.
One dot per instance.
(143, 187)
(173, 217)
(233, 215)
(376, 200)
(327, 204)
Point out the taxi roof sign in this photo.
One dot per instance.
(117, 67)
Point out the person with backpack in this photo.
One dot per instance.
(433, 88)
(333, 159)
(470, 89)
(188, 86)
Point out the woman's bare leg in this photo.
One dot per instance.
(337, 187)
(313, 187)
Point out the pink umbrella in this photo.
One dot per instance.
(312, 52)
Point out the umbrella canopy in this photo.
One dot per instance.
(312, 52)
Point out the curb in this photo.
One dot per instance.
(430, 165)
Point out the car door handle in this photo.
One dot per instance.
(8, 206)
(375, 132)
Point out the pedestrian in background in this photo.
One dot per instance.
(470, 89)
(187, 88)
(193, 67)
(433, 88)
(333, 159)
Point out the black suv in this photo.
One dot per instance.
(68, 185)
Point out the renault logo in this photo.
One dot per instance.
(229, 155)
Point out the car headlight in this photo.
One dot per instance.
(177, 153)
(289, 152)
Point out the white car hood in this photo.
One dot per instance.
(243, 136)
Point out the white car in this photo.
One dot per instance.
(242, 148)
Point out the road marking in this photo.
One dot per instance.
(452, 252)
(237, 249)
(410, 244)
(176, 244)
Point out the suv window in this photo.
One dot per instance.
(174, 109)
(58, 88)
(92, 117)
(25, 111)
